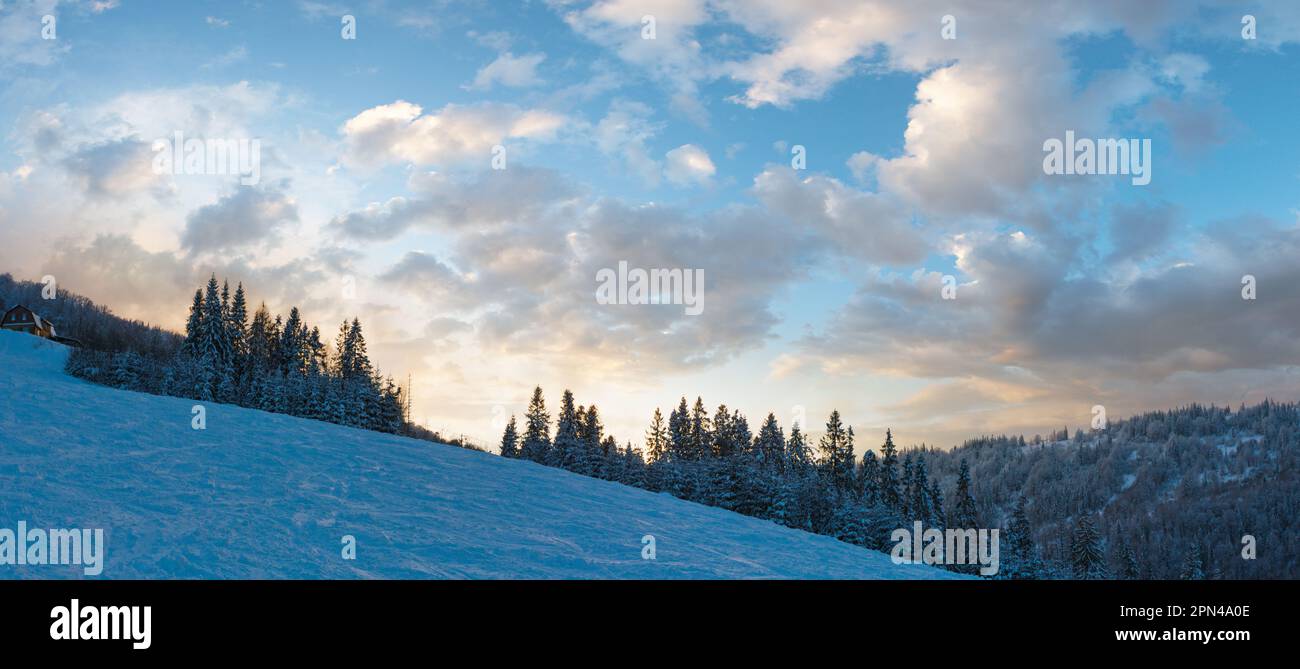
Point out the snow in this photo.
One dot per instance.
(259, 495)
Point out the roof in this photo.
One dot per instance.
(36, 318)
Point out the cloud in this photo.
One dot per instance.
(400, 132)
(243, 219)
(688, 164)
(21, 41)
(862, 165)
(112, 168)
(510, 71)
(524, 255)
(673, 58)
(1046, 338)
(424, 275)
(857, 223)
(116, 271)
(489, 200)
(625, 132)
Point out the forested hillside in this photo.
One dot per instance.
(1171, 493)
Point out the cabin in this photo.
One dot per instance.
(22, 319)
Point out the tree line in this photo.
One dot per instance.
(716, 459)
(94, 325)
(264, 362)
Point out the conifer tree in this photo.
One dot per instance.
(1021, 561)
(869, 478)
(510, 441)
(1193, 569)
(796, 449)
(701, 432)
(1085, 549)
(656, 438)
(964, 514)
(770, 445)
(889, 483)
(238, 325)
(679, 431)
(922, 507)
(1128, 566)
(537, 433)
(194, 327)
(831, 447)
(567, 450)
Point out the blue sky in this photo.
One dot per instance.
(822, 284)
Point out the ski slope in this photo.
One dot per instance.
(260, 495)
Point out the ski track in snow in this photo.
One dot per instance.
(262, 495)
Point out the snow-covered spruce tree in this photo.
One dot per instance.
(905, 485)
(1193, 568)
(609, 464)
(796, 448)
(634, 468)
(849, 463)
(679, 431)
(126, 370)
(358, 363)
(1127, 567)
(869, 478)
(922, 507)
(237, 326)
(258, 342)
(593, 444)
(770, 445)
(831, 452)
(214, 343)
(889, 483)
(194, 326)
(510, 440)
(537, 430)
(567, 448)
(1019, 555)
(1086, 560)
(964, 512)
(701, 432)
(938, 515)
(292, 334)
(656, 437)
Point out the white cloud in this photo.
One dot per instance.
(509, 70)
(862, 164)
(400, 132)
(688, 164)
(21, 43)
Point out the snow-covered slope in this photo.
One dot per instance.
(259, 495)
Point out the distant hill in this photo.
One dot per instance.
(93, 325)
(1172, 487)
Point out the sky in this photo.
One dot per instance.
(861, 185)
